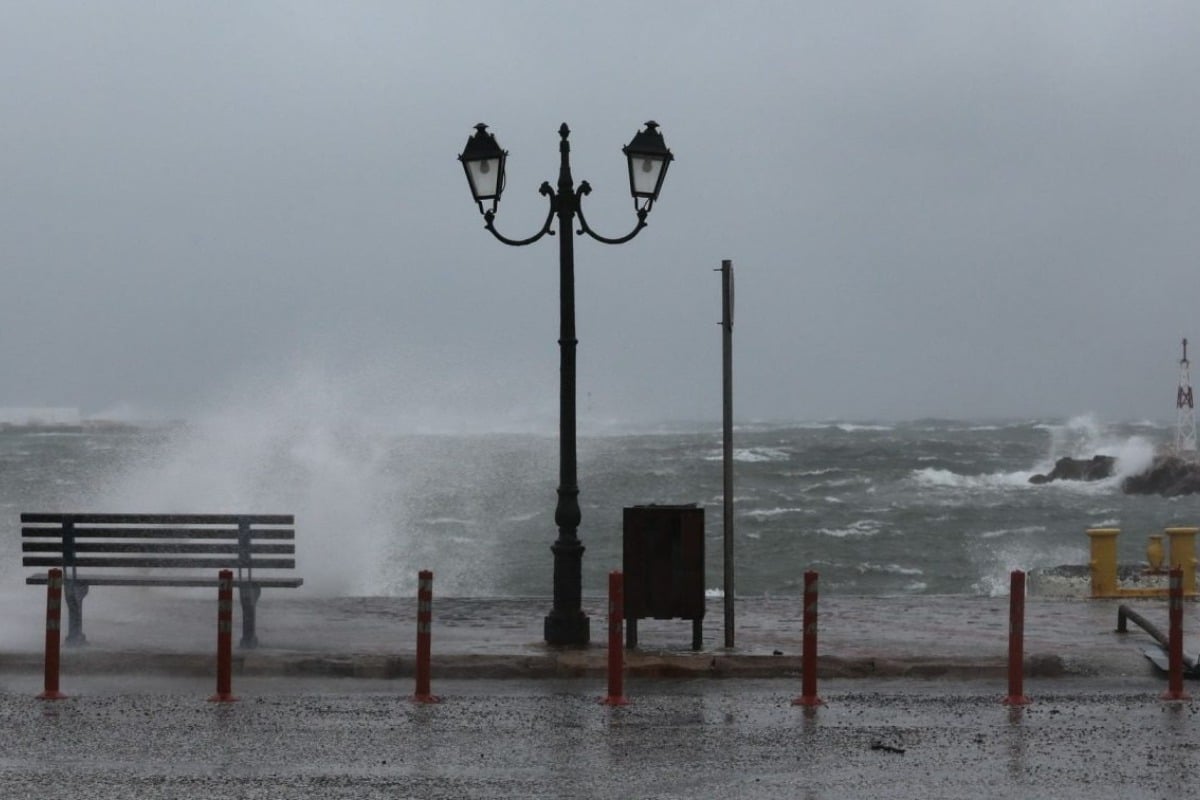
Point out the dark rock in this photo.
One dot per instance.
(1077, 469)
(1169, 476)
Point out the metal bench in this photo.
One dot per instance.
(88, 547)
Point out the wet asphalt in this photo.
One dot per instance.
(143, 736)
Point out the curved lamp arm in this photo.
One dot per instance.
(490, 216)
(584, 189)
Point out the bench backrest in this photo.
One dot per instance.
(188, 541)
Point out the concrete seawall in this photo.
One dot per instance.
(374, 637)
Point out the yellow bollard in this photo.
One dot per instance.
(1104, 561)
(1182, 548)
(1154, 554)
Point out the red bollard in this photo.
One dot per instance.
(1175, 640)
(809, 658)
(53, 635)
(424, 628)
(616, 654)
(224, 639)
(1016, 640)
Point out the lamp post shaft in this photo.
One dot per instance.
(483, 160)
(566, 624)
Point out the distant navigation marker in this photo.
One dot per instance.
(1185, 417)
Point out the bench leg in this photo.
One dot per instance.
(697, 634)
(630, 633)
(249, 593)
(75, 591)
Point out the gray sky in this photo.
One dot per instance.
(934, 208)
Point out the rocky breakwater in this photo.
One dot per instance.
(1167, 475)
(1096, 468)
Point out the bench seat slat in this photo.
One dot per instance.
(42, 579)
(159, 519)
(82, 532)
(157, 547)
(177, 563)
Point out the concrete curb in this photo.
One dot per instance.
(568, 664)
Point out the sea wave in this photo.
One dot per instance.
(850, 427)
(934, 477)
(771, 513)
(1025, 531)
(863, 528)
(752, 455)
(888, 569)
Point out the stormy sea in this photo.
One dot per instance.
(919, 507)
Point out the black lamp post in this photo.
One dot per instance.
(483, 161)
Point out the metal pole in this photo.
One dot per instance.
(54, 586)
(1175, 645)
(567, 624)
(616, 651)
(424, 636)
(808, 658)
(1016, 640)
(224, 638)
(727, 418)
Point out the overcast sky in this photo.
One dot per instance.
(952, 209)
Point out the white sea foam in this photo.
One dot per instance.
(864, 528)
(1028, 530)
(888, 569)
(944, 478)
(448, 521)
(751, 455)
(850, 427)
(769, 513)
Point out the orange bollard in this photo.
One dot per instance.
(424, 629)
(1175, 640)
(54, 587)
(809, 657)
(616, 654)
(1016, 640)
(224, 639)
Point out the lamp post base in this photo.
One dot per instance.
(572, 629)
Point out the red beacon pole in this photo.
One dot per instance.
(1175, 689)
(616, 654)
(224, 639)
(424, 634)
(54, 586)
(1016, 641)
(808, 697)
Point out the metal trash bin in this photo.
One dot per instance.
(663, 563)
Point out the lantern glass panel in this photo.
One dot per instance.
(645, 171)
(485, 178)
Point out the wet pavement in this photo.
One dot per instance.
(912, 689)
(1091, 738)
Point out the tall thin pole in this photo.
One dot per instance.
(727, 417)
(566, 624)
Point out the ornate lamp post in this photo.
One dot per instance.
(484, 161)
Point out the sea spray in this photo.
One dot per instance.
(273, 458)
